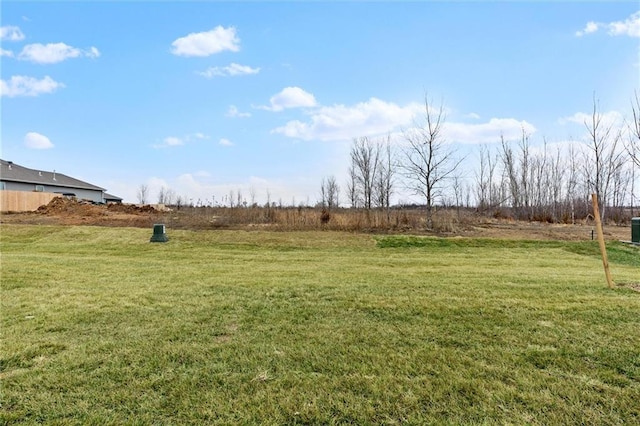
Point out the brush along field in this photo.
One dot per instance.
(99, 326)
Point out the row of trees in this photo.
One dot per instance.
(514, 178)
(532, 183)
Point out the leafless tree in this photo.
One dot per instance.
(557, 183)
(428, 162)
(252, 196)
(330, 193)
(385, 177)
(633, 142)
(604, 158)
(572, 181)
(166, 196)
(142, 194)
(353, 191)
(487, 189)
(239, 200)
(365, 160)
(510, 168)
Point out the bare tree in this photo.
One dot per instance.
(353, 189)
(428, 161)
(604, 159)
(143, 192)
(365, 160)
(385, 177)
(252, 196)
(166, 196)
(633, 142)
(573, 180)
(330, 192)
(487, 190)
(239, 200)
(510, 168)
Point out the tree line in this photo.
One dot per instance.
(512, 178)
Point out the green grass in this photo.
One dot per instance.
(99, 326)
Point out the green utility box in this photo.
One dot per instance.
(635, 230)
(159, 234)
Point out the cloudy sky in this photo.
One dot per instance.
(207, 97)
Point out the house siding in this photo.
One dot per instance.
(81, 194)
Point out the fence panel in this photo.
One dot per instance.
(23, 201)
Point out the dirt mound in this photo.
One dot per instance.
(130, 208)
(60, 206)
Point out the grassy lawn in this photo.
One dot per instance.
(99, 326)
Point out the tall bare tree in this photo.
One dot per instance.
(365, 161)
(428, 161)
(353, 189)
(385, 178)
(605, 156)
(165, 196)
(142, 194)
(330, 192)
(633, 142)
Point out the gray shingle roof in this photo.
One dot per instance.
(11, 172)
(110, 197)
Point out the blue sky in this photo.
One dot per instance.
(210, 97)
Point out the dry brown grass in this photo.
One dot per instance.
(446, 222)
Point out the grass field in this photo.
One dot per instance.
(99, 326)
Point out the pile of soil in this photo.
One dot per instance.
(130, 208)
(69, 211)
(60, 206)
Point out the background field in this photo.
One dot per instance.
(101, 327)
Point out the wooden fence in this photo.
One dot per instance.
(23, 201)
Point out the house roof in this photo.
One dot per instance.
(109, 197)
(12, 172)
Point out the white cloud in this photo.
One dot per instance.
(207, 43)
(33, 140)
(609, 118)
(473, 115)
(171, 141)
(198, 135)
(629, 27)
(591, 27)
(21, 85)
(290, 97)
(340, 122)
(4, 52)
(235, 113)
(93, 52)
(11, 33)
(229, 71)
(52, 53)
(489, 132)
(225, 142)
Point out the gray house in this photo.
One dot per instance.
(18, 178)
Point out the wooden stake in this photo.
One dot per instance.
(603, 248)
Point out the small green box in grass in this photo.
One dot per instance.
(159, 234)
(635, 230)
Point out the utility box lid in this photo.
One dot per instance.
(159, 234)
(635, 230)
